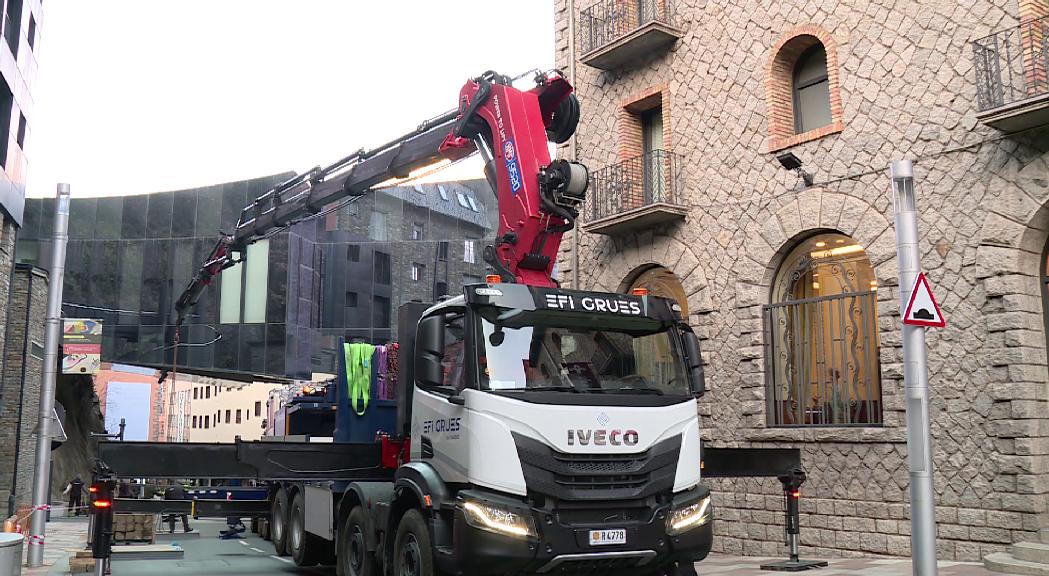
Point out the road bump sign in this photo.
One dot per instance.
(923, 310)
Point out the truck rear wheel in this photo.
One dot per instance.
(279, 523)
(412, 554)
(354, 558)
(303, 546)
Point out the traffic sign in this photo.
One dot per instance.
(923, 310)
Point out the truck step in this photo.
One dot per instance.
(1003, 562)
(1031, 552)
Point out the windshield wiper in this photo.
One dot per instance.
(553, 388)
(632, 390)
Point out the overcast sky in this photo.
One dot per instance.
(143, 96)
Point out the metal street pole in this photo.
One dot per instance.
(47, 389)
(915, 377)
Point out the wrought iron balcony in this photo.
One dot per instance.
(612, 33)
(639, 193)
(1012, 76)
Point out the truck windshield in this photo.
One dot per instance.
(581, 360)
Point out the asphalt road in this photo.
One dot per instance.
(210, 556)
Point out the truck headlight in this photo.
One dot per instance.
(692, 516)
(498, 519)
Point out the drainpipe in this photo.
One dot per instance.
(573, 143)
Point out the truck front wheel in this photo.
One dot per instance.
(279, 523)
(354, 558)
(412, 553)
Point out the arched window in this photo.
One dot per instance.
(821, 337)
(660, 282)
(811, 90)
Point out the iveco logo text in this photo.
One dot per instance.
(593, 304)
(602, 437)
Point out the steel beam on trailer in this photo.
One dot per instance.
(749, 462)
(198, 508)
(245, 460)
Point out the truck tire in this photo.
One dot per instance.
(412, 552)
(304, 547)
(354, 558)
(279, 523)
(264, 528)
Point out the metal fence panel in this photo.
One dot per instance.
(1012, 65)
(608, 20)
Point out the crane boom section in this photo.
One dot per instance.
(537, 198)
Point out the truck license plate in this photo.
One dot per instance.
(606, 537)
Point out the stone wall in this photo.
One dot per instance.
(23, 366)
(906, 84)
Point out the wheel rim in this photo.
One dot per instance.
(296, 529)
(278, 523)
(357, 551)
(411, 557)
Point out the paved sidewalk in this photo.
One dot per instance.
(63, 536)
(751, 566)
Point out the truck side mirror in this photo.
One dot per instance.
(429, 350)
(694, 363)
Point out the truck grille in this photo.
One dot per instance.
(597, 476)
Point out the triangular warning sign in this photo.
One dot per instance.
(923, 310)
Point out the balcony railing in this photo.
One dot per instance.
(1011, 74)
(637, 192)
(611, 32)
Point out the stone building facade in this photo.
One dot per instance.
(23, 354)
(794, 287)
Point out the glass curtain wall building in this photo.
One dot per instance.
(282, 311)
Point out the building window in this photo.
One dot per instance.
(418, 231)
(382, 268)
(351, 299)
(660, 282)
(256, 274)
(238, 416)
(32, 31)
(195, 391)
(462, 200)
(473, 203)
(21, 131)
(381, 312)
(194, 422)
(353, 252)
(207, 391)
(442, 250)
(811, 90)
(418, 271)
(7, 101)
(207, 421)
(230, 283)
(12, 25)
(442, 191)
(377, 227)
(258, 408)
(468, 252)
(802, 95)
(822, 337)
(228, 414)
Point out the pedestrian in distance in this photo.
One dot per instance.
(177, 492)
(75, 491)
